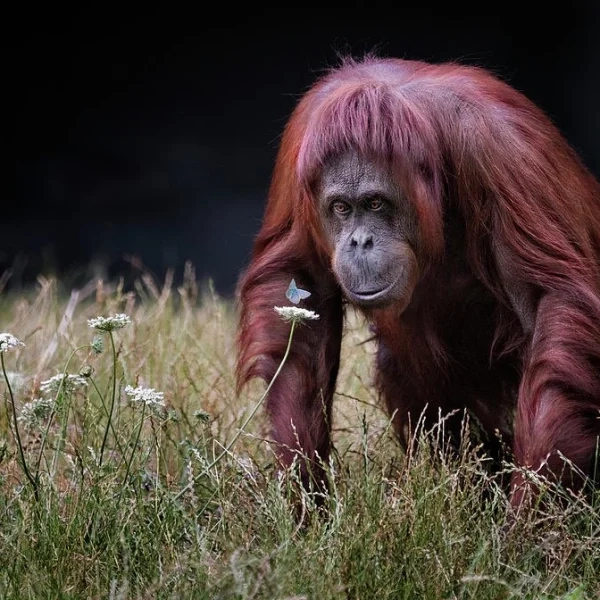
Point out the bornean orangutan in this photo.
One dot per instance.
(449, 210)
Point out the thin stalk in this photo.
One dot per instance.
(112, 402)
(66, 398)
(24, 466)
(51, 417)
(112, 427)
(245, 423)
(137, 440)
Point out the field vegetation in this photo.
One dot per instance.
(129, 468)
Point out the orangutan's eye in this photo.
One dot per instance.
(375, 204)
(341, 208)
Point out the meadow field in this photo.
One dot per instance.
(129, 468)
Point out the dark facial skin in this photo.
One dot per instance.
(372, 230)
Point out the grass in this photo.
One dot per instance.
(137, 506)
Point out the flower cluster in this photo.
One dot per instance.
(34, 412)
(9, 342)
(119, 321)
(293, 313)
(149, 396)
(69, 383)
(86, 371)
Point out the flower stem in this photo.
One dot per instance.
(137, 440)
(51, 417)
(24, 466)
(245, 423)
(112, 402)
(112, 427)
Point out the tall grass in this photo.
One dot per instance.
(143, 501)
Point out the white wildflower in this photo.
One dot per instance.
(34, 412)
(109, 323)
(150, 397)
(9, 342)
(294, 313)
(71, 383)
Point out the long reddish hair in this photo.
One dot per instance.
(454, 136)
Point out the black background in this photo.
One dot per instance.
(153, 134)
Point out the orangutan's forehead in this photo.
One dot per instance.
(352, 175)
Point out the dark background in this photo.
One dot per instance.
(153, 134)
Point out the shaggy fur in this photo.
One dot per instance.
(505, 319)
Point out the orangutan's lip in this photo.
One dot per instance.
(369, 296)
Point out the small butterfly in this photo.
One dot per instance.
(295, 294)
